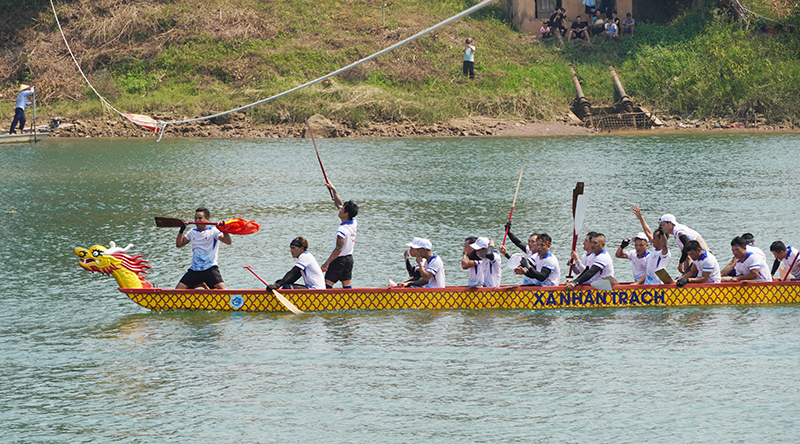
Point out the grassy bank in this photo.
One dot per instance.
(184, 58)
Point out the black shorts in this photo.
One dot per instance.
(211, 277)
(341, 269)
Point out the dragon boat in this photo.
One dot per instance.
(129, 272)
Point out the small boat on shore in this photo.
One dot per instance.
(129, 273)
(5, 137)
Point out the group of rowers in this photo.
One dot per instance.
(537, 264)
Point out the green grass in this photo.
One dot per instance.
(176, 58)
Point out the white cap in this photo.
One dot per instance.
(480, 243)
(668, 218)
(419, 242)
(641, 236)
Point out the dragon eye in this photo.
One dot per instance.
(96, 253)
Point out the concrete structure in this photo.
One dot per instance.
(527, 15)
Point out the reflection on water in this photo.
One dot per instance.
(82, 363)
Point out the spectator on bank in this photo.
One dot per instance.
(579, 29)
(611, 31)
(597, 23)
(628, 25)
(589, 6)
(557, 22)
(469, 59)
(545, 30)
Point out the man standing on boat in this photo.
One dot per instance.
(19, 110)
(339, 266)
(704, 268)
(431, 267)
(601, 267)
(748, 266)
(788, 256)
(682, 234)
(205, 239)
(484, 264)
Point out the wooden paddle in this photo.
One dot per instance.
(578, 212)
(34, 116)
(513, 204)
(289, 306)
(318, 158)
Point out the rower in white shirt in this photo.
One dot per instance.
(788, 256)
(747, 265)
(704, 268)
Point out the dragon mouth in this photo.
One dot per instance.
(88, 261)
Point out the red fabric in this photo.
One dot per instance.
(143, 121)
(237, 225)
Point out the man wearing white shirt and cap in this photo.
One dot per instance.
(682, 234)
(483, 263)
(431, 267)
(637, 256)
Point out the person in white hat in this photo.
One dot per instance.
(19, 111)
(682, 234)
(637, 256)
(484, 263)
(654, 259)
(431, 267)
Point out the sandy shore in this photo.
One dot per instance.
(236, 126)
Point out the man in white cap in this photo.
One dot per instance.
(682, 234)
(483, 263)
(637, 256)
(431, 267)
(19, 111)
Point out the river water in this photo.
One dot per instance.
(82, 363)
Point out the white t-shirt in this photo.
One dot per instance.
(789, 261)
(347, 231)
(490, 271)
(551, 263)
(751, 262)
(436, 267)
(656, 260)
(708, 263)
(639, 263)
(586, 261)
(205, 247)
(313, 277)
(757, 251)
(606, 264)
(680, 229)
(469, 53)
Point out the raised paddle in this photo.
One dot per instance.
(318, 158)
(234, 225)
(34, 115)
(513, 204)
(289, 306)
(579, 201)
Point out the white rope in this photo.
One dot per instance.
(162, 125)
(102, 99)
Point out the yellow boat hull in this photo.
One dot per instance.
(463, 298)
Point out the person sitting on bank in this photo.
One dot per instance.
(628, 25)
(339, 265)
(431, 267)
(19, 110)
(787, 256)
(611, 31)
(748, 266)
(484, 264)
(545, 30)
(704, 268)
(598, 23)
(544, 269)
(579, 29)
(601, 267)
(205, 251)
(305, 267)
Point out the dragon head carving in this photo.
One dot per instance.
(127, 270)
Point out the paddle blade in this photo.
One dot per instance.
(237, 225)
(289, 306)
(168, 222)
(515, 260)
(580, 212)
